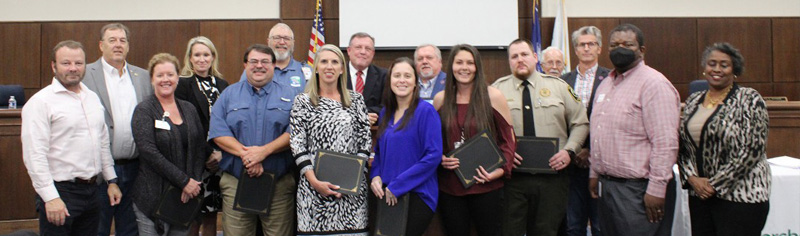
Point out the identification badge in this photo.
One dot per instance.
(160, 124)
(306, 72)
(600, 97)
(295, 81)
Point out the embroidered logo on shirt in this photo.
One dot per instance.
(295, 81)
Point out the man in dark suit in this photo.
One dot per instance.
(581, 207)
(120, 86)
(364, 77)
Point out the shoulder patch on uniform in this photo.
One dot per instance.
(572, 93)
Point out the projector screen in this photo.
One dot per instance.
(407, 24)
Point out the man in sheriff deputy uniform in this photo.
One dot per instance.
(542, 106)
(288, 71)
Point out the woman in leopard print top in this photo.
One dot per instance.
(722, 156)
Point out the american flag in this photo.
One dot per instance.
(536, 34)
(317, 34)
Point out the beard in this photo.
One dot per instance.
(522, 74)
(283, 56)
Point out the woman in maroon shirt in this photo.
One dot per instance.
(468, 106)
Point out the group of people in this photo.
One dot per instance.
(109, 142)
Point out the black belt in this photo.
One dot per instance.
(92, 180)
(125, 161)
(621, 180)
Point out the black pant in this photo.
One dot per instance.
(83, 207)
(485, 210)
(716, 216)
(419, 215)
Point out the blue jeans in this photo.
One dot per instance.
(581, 207)
(124, 218)
(81, 202)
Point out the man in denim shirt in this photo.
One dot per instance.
(250, 123)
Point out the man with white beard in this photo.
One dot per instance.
(553, 61)
(288, 71)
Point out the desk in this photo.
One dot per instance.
(784, 203)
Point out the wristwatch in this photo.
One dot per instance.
(112, 181)
(572, 155)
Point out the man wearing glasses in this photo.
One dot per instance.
(553, 61)
(581, 207)
(250, 123)
(288, 71)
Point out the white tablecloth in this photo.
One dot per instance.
(784, 201)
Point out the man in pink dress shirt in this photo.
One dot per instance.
(634, 141)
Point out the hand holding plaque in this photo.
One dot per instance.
(536, 153)
(343, 170)
(478, 151)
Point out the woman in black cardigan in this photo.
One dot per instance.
(722, 155)
(201, 84)
(171, 144)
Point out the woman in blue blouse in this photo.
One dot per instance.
(409, 147)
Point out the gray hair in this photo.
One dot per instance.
(724, 47)
(362, 35)
(435, 49)
(280, 25)
(551, 49)
(587, 30)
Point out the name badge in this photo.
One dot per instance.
(600, 97)
(160, 124)
(306, 72)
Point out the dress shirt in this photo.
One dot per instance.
(353, 77)
(254, 118)
(635, 127)
(584, 82)
(432, 87)
(294, 75)
(64, 136)
(122, 96)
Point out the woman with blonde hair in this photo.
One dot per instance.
(329, 116)
(201, 84)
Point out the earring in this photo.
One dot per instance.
(735, 77)
(704, 73)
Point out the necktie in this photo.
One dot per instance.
(359, 82)
(527, 111)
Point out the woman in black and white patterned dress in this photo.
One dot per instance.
(329, 116)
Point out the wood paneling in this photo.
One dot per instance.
(232, 38)
(765, 89)
(752, 36)
(670, 46)
(87, 33)
(293, 10)
(605, 25)
(144, 41)
(790, 90)
(18, 194)
(785, 48)
(19, 46)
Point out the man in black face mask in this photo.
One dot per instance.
(634, 141)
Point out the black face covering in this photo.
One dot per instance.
(622, 57)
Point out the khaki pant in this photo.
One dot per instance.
(280, 221)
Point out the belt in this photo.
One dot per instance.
(621, 180)
(125, 161)
(92, 180)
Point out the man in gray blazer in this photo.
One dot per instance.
(120, 86)
(581, 207)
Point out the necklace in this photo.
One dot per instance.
(713, 101)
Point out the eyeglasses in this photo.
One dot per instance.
(255, 62)
(284, 38)
(553, 63)
(588, 44)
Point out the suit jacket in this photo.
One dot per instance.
(163, 160)
(95, 80)
(599, 75)
(373, 87)
(188, 91)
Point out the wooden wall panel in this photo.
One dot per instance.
(765, 89)
(785, 48)
(20, 49)
(294, 10)
(605, 25)
(791, 90)
(752, 36)
(150, 37)
(232, 38)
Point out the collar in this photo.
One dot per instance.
(289, 67)
(252, 90)
(110, 69)
(593, 69)
(614, 74)
(59, 88)
(535, 76)
(353, 71)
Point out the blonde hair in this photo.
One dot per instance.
(188, 68)
(312, 88)
(162, 58)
